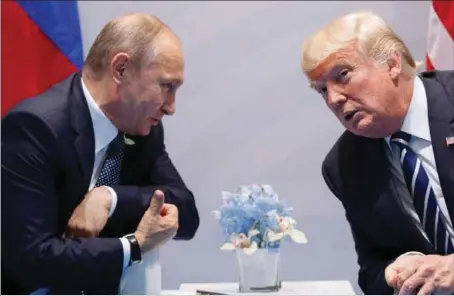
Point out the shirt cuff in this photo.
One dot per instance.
(126, 252)
(412, 253)
(113, 194)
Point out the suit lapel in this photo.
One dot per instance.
(441, 123)
(82, 124)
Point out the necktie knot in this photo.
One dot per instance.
(117, 144)
(401, 138)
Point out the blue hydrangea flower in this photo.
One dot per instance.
(256, 215)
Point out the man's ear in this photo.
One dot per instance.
(395, 65)
(119, 65)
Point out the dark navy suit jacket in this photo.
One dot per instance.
(358, 172)
(47, 162)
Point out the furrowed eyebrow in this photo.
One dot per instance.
(176, 81)
(338, 68)
(331, 73)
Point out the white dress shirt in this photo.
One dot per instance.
(104, 132)
(416, 123)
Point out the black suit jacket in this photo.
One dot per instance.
(358, 172)
(47, 162)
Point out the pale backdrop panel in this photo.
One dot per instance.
(246, 114)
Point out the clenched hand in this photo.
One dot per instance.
(91, 215)
(422, 275)
(401, 269)
(158, 225)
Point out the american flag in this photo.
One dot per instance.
(440, 41)
(449, 141)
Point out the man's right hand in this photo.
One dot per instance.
(158, 225)
(401, 269)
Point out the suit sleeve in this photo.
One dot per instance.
(371, 259)
(34, 253)
(132, 201)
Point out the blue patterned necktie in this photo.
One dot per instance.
(424, 200)
(110, 172)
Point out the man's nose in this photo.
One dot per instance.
(169, 108)
(334, 96)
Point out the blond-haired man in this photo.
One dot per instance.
(393, 169)
(87, 184)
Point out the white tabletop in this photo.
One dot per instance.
(176, 292)
(288, 288)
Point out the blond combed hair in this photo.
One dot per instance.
(133, 34)
(369, 33)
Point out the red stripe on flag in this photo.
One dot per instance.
(31, 63)
(445, 12)
(429, 66)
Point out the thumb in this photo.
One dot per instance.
(157, 200)
(391, 276)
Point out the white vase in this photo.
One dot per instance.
(258, 271)
(143, 278)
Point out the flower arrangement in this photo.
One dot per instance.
(254, 218)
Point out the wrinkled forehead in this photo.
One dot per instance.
(332, 61)
(170, 66)
(168, 49)
(170, 61)
(331, 65)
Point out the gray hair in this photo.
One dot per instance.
(135, 34)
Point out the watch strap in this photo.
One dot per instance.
(136, 253)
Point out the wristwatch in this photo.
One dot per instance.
(136, 253)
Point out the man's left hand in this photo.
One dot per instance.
(91, 215)
(434, 276)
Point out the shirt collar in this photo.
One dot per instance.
(416, 122)
(103, 128)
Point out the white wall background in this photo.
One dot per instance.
(245, 114)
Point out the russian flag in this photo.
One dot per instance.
(41, 45)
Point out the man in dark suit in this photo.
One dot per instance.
(393, 169)
(87, 184)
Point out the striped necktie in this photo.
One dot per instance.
(433, 221)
